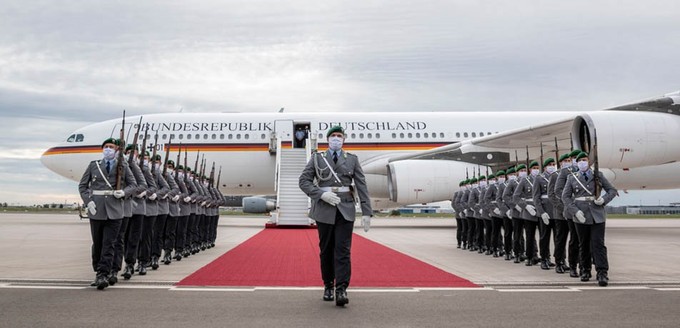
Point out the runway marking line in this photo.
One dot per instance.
(536, 290)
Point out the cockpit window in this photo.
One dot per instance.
(71, 138)
(80, 138)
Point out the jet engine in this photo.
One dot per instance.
(628, 139)
(424, 181)
(258, 205)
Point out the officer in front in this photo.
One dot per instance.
(327, 180)
(581, 200)
(104, 201)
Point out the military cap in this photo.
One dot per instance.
(170, 162)
(336, 128)
(581, 155)
(534, 163)
(548, 161)
(510, 171)
(575, 152)
(564, 156)
(499, 173)
(481, 177)
(157, 157)
(491, 176)
(520, 167)
(131, 147)
(473, 180)
(146, 153)
(111, 141)
(188, 169)
(460, 184)
(467, 181)
(180, 167)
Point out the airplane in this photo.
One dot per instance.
(407, 157)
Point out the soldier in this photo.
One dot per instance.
(144, 258)
(524, 203)
(561, 223)
(132, 235)
(481, 217)
(514, 212)
(501, 211)
(184, 211)
(163, 193)
(573, 245)
(581, 200)
(173, 213)
(544, 209)
(327, 180)
(472, 200)
(494, 214)
(462, 207)
(457, 214)
(104, 201)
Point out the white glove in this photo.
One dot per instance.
(465, 212)
(496, 211)
(580, 217)
(531, 209)
(141, 194)
(599, 201)
(165, 196)
(481, 211)
(546, 218)
(175, 198)
(187, 199)
(518, 208)
(92, 207)
(330, 198)
(203, 203)
(118, 193)
(153, 196)
(366, 222)
(509, 214)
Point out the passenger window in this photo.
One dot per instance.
(394, 136)
(441, 135)
(238, 136)
(418, 135)
(426, 135)
(198, 136)
(457, 134)
(246, 136)
(181, 136)
(221, 136)
(465, 134)
(377, 135)
(231, 136)
(188, 136)
(263, 136)
(481, 134)
(370, 136)
(474, 135)
(205, 136)
(361, 135)
(354, 136)
(410, 135)
(401, 135)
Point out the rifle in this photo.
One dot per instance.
(167, 155)
(541, 163)
(557, 153)
(516, 158)
(203, 165)
(179, 151)
(571, 142)
(186, 168)
(143, 150)
(528, 160)
(153, 155)
(134, 142)
(598, 187)
(119, 161)
(219, 175)
(196, 167)
(211, 180)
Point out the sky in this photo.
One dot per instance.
(66, 64)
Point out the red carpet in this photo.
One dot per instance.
(287, 257)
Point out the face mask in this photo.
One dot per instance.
(501, 180)
(109, 153)
(180, 175)
(534, 172)
(523, 174)
(191, 178)
(512, 177)
(482, 184)
(566, 164)
(127, 157)
(335, 143)
(492, 182)
(573, 163)
(170, 170)
(146, 163)
(551, 169)
(583, 166)
(475, 185)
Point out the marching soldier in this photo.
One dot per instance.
(514, 212)
(104, 201)
(581, 200)
(144, 257)
(494, 231)
(133, 233)
(163, 193)
(462, 206)
(173, 215)
(524, 203)
(561, 223)
(184, 212)
(457, 214)
(501, 211)
(473, 199)
(327, 180)
(544, 209)
(573, 245)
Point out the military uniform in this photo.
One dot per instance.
(169, 232)
(524, 202)
(132, 234)
(105, 210)
(163, 192)
(573, 245)
(561, 223)
(502, 212)
(457, 215)
(588, 210)
(335, 223)
(151, 202)
(473, 216)
(544, 210)
(462, 206)
(494, 231)
(514, 214)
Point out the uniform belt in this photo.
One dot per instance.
(544, 196)
(493, 202)
(335, 189)
(528, 199)
(585, 199)
(102, 192)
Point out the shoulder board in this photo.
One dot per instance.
(345, 154)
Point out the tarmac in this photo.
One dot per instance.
(45, 271)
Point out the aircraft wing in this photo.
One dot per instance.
(504, 149)
(668, 103)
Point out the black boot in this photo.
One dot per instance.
(573, 273)
(545, 265)
(101, 281)
(141, 267)
(113, 278)
(178, 255)
(585, 276)
(508, 257)
(341, 297)
(167, 258)
(328, 293)
(559, 268)
(602, 279)
(154, 262)
(129, 271)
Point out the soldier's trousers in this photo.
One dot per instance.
(181, 233)
(191, 230)
(507, 234)
(169, 234)
(213, 234)
(545, 234)
(104, 234)
(496, 225)
(561, 233)
(119, 248)
(573, 246)
(459, 231)
(479, 233)
(591, 245)
(133, 235)
(472, 225)
(464, 231)
(518, 236)
(147, 238)
(530, 232)
(335, 242)
(158, 235)
(488, 233)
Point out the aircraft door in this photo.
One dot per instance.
(284, 131)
